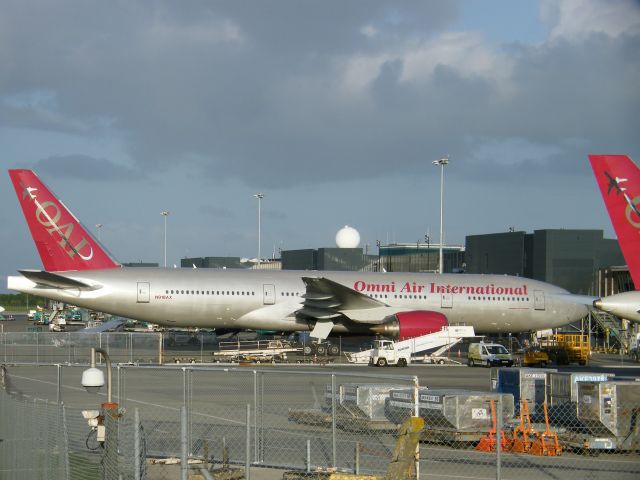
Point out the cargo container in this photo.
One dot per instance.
(528, 384)
(562, 387)
(562, 396)
(611, 412)
(461, 410)
(364, 399)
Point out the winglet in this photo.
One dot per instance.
(619, 180)
(62, 242)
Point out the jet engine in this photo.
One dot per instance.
(411, 324)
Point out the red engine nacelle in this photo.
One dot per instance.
(405, 325)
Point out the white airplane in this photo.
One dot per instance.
(619, 180)
(78, 270)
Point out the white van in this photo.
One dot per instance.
(489, 354)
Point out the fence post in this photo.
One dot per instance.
(247, 460)
(186, 400)
(110, 456)
(47, 437)
(136, 444)
(30, 436)
(416, 413)
(65, 442)
(308, 456)
(118, 379)
(499, 438)
(255, 416)
(356, 470)
(58, 382)
(334, 453)
(262, 416)
(184, 461)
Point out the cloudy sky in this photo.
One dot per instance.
(334, 109)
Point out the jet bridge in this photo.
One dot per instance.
(442, 340)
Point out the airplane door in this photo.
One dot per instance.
(268, 294)
(446, 300)
(143, 292)
(538, 300)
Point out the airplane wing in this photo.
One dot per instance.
(325, 299)
(52, 280)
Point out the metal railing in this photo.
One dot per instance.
(174, 420)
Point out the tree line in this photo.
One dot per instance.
(13, 300)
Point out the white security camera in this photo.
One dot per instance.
(92, 379)
(92, 418)
(89, 414)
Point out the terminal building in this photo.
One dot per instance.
(421, 257)
(567, 258)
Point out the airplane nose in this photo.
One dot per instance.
(598, 304)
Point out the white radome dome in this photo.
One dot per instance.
(347, 237)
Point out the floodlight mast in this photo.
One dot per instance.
(441, 163)
(259, 196)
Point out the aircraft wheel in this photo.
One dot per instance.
(334, 350)
(382, 362)
(440, 362)
(321, 349)
(307, 349)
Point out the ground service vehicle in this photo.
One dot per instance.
(489, 354)
(566, 348)
(535, 357)
(385, 352)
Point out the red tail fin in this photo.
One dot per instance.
(62, 242)
(619, 181)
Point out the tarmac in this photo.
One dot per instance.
(164, 388)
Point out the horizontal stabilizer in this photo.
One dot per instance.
(53, 280)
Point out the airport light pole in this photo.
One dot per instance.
(441, 163)
(165, 214)
(259, 196)
(99, 226)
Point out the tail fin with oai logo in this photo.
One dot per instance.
(62, 242)
(619, 180)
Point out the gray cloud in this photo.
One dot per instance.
(83, 167)
(342, 103)
(252, 90)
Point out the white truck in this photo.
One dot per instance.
(386, 352)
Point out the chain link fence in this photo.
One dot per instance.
(171, 421)
(74, 347)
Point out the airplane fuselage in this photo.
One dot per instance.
(269, 299)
